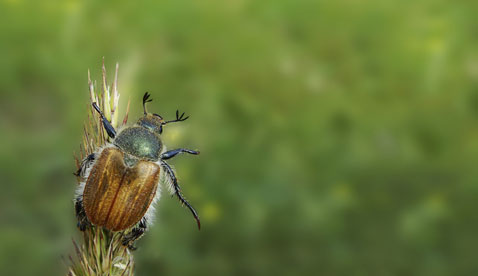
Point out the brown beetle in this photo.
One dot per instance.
(120, 180)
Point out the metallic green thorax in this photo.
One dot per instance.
(139, 142)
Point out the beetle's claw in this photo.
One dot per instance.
(199, 223)
(81, 226)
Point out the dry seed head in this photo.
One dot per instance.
(101, 252)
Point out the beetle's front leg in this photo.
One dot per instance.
(135, 234)
(175, 186)
(106, 124)
(171, 153)
(81, 214)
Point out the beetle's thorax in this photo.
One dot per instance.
(139, 142)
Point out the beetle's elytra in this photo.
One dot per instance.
(117, 196)
(120, 181)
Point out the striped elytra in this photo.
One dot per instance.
(116, 196)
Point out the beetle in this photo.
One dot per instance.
(119, 182)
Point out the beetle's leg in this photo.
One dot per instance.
(177, 191)
(85, 164)
(81, 214)
(106, 124)
(135, 234)
(172, 153)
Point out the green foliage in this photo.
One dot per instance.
(336, 137)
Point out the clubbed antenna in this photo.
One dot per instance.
(146, 99)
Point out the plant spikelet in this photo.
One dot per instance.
(101, 251)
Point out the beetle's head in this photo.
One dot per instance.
(151, 121)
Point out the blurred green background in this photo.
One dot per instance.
(337, 137)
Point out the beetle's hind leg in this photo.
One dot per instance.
(81, 214)
(135, 234)
(177, 190)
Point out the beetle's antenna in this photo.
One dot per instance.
(146, 99)
(179, 118)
